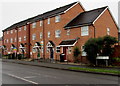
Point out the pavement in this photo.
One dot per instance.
(61, 66)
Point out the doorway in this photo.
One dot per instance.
(65, 52)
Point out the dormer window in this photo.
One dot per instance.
(57, 18)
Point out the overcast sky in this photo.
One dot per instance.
(13, 11)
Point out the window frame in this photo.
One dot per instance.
(108, 31)
(57, 49)
(41, 23)
(25, 28)
(57, 35)
(68, 32)
(20, 39)
(85, 32)
(48, 21)
(41, 35)
(48, 34)
(33, 36)
(57, 18)
(34, 24)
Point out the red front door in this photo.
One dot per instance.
(65, 52)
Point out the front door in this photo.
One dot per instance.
(65, 52)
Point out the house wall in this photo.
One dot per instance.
(104, 22)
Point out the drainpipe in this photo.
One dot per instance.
(28, 40)
(94, 31)
(3, 43)
(43, 41)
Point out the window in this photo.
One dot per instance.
(25, 27)
(41, 23)
(58, 49)
(11, 31)
(11, 40)
(33, 36)
(15, 39)
(20, 39)
(7, 32)
(48, 34)
(40, 35)
(48, 20)
(83, 52)
(7, 40)
(57, 18)
(24, 38)
(20, 29)
(108, 31)
(57, 33)
(34, 25)
(84, 31)
(68, 32)
(69, 50)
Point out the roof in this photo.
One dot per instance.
(68, 42)
(85, 18)
(45, 15)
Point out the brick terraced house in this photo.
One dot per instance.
(58, 31)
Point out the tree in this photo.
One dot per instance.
(102, 46)
(76, 54)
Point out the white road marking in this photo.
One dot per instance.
(30, 77)
(22, 78)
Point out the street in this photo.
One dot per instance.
(24, 74)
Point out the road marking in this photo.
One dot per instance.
(22, 79)
(30, 77)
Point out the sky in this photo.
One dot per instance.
(13, 11)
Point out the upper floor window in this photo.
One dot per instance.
(57, 33)
(25, 27)
(48, 34)
(7, 40)
(7, 32)
(20, 29)
(15, 39)
(34, 37)
(41, 23)
(57, 18)
(11, 40)
(68, 32)
(34, 25)
(24, 38)
(108, 31)
(85, 31)
(40, 35)
(20, 39)
(11, 31)
(48, 20)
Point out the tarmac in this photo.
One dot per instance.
(62, 66)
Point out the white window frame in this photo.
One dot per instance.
(34, 36)
(41, 35)
(25, 28)
(11, 40)
(57, 18)
(68, 32)
(20, 39)
(34, 25)
(15, 39)
(48, 34)
(85, 31)
(11, 31)
(57, 33)
(108, 31)
(57, 49)
(48, 21)
(41, 22)
(24, 38)
(15, 31)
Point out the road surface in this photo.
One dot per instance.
(24, 74)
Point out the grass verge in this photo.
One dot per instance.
(96, 70)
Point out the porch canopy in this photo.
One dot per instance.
(50, 44)
(70, 42)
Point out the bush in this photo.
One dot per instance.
(76, 54)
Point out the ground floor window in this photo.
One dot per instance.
(58, 49)
(82, 51)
